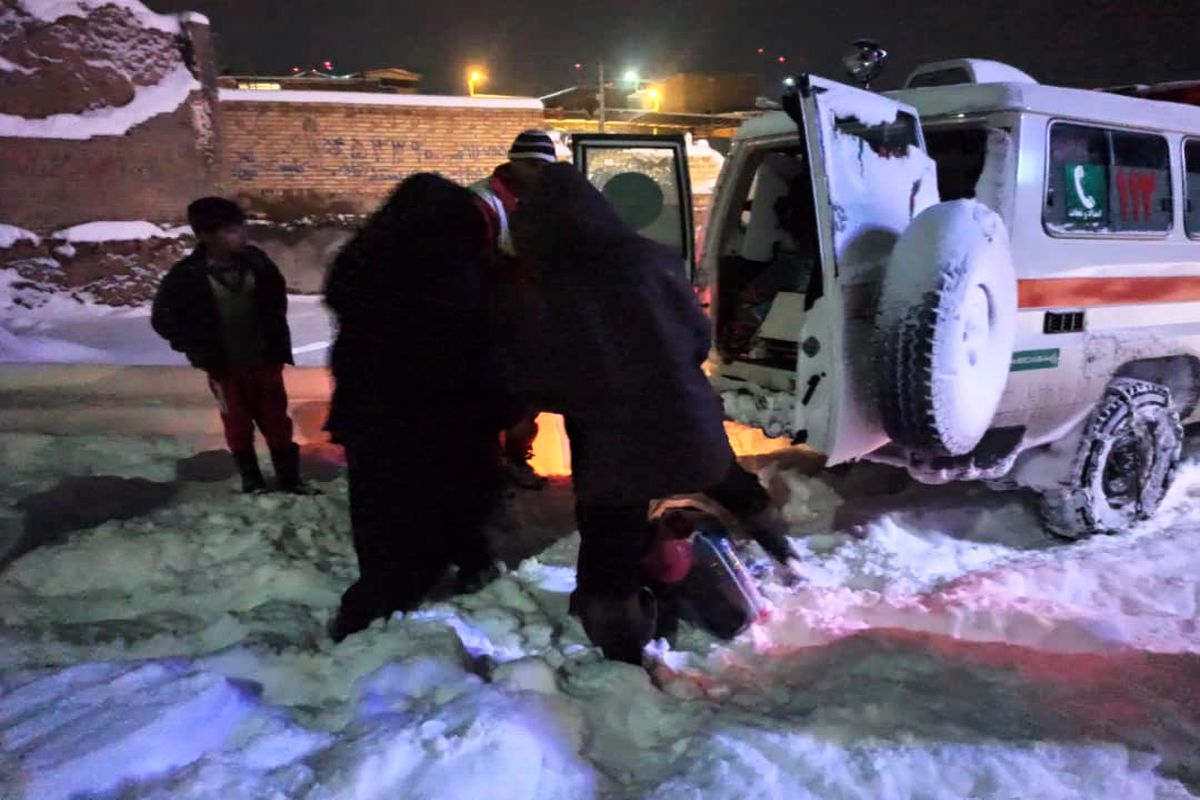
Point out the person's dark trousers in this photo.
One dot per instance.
(418, 503)
(618, 614)
(400, 554)
(740, 492)
(612, 539)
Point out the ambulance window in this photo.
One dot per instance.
(1077, 183)
(1140, 182)
(1191, 203)
(960, 154)
(1107, 181)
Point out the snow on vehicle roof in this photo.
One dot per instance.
(981, 70)
(867, 108)
(148, 102)
(1056, 101)
(373, 99)
(52, 10)
(773, 123)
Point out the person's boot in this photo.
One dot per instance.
(471, 579)
(287, 470)
(252, 477)
(620, 626)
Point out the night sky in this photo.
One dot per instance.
(530, 46)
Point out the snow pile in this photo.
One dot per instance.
(148, 102)
(83, 68)
(64, 736)
(10, 235)
(939, 646)
(54, 10)
(119, 231)
(705, 164)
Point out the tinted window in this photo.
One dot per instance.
(1107, 181)
(1191, 209)
(889, 140)
(960, 154)
(642, 184)
(1141, 182)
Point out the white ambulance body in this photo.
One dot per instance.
(977, 277)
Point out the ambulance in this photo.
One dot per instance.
(977, 277)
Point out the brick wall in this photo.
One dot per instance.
(296, 156)
(149, 173)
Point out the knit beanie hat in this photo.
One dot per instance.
(210, 214)
(533, 144)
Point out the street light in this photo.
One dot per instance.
(632, 76)
(474, 77)
(655, 97)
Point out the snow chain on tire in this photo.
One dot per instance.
(1135, 422)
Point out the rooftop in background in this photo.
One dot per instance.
(1176, 92)
(386, 80)
(707, 106)
(684, 93)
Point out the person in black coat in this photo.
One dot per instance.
(225, 308)
(418, 402)
(611, 336)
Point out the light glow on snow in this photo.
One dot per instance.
(939, 645)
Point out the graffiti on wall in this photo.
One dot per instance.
(371, 160)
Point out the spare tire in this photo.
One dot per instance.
(947, 321)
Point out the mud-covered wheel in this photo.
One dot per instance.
(1127, 457)
(947, 321)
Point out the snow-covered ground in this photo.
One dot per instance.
(67, 331)
(940, 646)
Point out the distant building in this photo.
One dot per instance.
(706, 106)
(386, 80)
(1176, 92)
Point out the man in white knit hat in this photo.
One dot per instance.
(498, 196)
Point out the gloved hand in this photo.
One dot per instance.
(768, 528)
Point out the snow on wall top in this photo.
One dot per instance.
(118, 231)
(148, 102)
(54, 10)
(371, 99)
(10, 235)
(193, 17)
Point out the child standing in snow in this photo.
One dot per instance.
(417, 402)
(225, 308)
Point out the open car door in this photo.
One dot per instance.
(871, 176)
(809, 208)
(645, 178)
